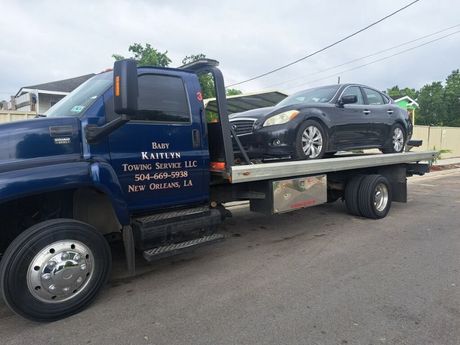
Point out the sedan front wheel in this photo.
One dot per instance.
(311, 141)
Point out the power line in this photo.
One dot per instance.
(326, 47)
(363, 57)
(378, 60)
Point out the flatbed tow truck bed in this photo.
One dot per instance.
(267, 171)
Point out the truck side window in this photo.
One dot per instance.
(162, 98)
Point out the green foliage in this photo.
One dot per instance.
(439, 104)
(146, 56)
(452, 98)
(192, 58)
(438, 154)
(432, 105)
(233, 92)
(206, 80)
(395, 92)
(149, 56)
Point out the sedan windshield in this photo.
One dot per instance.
(75, 103)
(317, 95)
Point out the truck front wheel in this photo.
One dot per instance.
(54, 269)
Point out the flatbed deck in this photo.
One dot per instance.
(266, 171)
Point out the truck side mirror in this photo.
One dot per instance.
(125, 87)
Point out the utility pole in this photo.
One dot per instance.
(338, 80)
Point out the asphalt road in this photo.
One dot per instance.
(315, 276)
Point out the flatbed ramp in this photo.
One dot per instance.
(266, 171)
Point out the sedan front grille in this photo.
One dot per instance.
(242, 126)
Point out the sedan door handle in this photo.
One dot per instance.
(389, 111)
(366, 112)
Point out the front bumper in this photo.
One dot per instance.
(271, 141)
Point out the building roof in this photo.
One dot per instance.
(248, 101)
(407, 100)
(59, 86)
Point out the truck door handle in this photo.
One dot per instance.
(196, 139)
(389, 111)
(366, 112)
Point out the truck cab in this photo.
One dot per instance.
(160, 157)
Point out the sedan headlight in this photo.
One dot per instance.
(281, 118)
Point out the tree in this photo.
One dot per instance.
(206, 80)
(395, 92)
(233, 92)
(146, 56)
(149, 56)
(452, 99)
(432, 105)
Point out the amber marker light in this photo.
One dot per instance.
(117, 86)
(217, 166)
(293, 114)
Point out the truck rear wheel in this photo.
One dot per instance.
(374, 196)
(54, 269)
(351, 195)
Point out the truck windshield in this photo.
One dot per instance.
(317, 95)
(76, 102)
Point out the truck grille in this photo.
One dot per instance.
(242, 126)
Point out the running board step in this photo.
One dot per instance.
(177, 248)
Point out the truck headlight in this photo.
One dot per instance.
(281, 118)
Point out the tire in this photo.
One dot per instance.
(397, 140)
(40, 290)
(310, 135)
(374, 197)
(351, 195)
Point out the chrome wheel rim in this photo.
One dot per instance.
(398, 139)
(60, 271)
(312, 141)
(381, 197)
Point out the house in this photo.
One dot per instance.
(409, 104)
(39, 98)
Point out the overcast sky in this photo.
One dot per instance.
(43, 41)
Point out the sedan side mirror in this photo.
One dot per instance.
(348, 99)
(125, 87)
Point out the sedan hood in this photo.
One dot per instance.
(257, 114)
(264, 113)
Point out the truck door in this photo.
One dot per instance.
(161, 156)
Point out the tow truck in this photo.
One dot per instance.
(130, 155)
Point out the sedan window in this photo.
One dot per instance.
(317, 95)
(373, 97)
(354, 91)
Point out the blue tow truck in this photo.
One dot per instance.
(130, 156)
